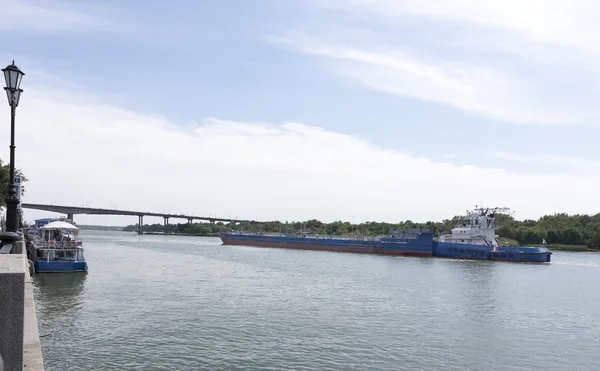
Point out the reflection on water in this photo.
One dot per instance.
(63, 288)
(58, 300)
(68, 281)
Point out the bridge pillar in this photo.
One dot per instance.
(190, 221)
(140, 224)
(212, 221)
(166, 219)
(70, 218)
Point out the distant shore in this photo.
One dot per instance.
(573, 248)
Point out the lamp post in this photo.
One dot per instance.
(13, 76)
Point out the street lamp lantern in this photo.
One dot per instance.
(13, 76)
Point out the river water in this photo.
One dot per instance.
(190, 303)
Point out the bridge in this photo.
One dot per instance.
(72, 210)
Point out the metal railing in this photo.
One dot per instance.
(58, 244)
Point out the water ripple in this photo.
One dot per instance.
(180, 303)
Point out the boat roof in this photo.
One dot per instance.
(60, 225)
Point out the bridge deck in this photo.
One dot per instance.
(72, 210)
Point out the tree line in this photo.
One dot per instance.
(5, 180)
(557, 229)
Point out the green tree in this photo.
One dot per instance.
(595, 239)
(571, 236)
(507, 231)
(5, 180)
(553, 236)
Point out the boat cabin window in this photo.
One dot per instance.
(60, 254)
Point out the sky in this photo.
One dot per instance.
(356, 110)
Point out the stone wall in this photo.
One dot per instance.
(19, 338)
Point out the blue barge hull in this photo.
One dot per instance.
(421, 245)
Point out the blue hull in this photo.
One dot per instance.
(42, 266)
(481, 252)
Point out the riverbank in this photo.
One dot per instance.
(573, 248)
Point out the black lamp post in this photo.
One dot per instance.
(13, 76)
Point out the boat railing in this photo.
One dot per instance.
(58, 244)
(60, 254)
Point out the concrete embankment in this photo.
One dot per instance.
(20, 347)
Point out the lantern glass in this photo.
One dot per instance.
(13, 76)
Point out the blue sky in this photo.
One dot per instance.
(497, 86)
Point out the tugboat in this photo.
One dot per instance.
(475, 238)
(58, 249)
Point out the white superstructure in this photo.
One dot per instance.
(478, 227)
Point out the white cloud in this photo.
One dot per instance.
(481, 90)
(76, 152)
(571, 164)
(532, 62)
(562, 22)
(28, 15)
(450, 156)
